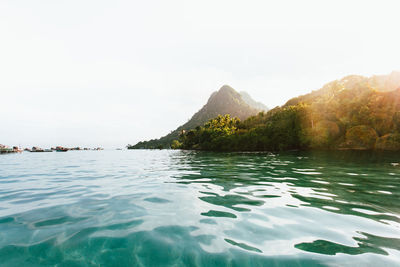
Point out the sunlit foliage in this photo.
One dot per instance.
(352, 113)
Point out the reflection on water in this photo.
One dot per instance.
(340, 197)
(161, 208)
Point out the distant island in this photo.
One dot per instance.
(356, 112)
(5, 149)
(224, 101)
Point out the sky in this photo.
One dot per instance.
(109, 73)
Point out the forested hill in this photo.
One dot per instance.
(224, 101)
(355, 112)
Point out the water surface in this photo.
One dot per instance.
(183, 208)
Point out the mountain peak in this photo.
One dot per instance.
(226, 88)
(251, 102)
(223, 94)
(224, 101)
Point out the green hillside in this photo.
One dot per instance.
(355, 112)
(224, 101)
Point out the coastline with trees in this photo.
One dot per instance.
(354, 113)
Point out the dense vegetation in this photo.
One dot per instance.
(352, 113)
(224, 101)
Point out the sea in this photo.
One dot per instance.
(191, 208)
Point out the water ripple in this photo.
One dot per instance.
(185, 208)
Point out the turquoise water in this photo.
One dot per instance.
(182, 208)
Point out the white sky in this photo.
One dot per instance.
(108, 73)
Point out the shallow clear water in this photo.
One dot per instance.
(182, 208)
